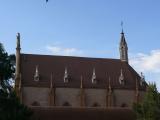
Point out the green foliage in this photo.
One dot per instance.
(149, 109)
(10, 106)
(7, 68)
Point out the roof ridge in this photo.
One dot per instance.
(70, 56)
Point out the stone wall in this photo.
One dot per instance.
(95, 97)
(35, 94)
(67, 95)
(124, 98)
(72, 97)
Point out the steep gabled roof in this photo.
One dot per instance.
(76, 67)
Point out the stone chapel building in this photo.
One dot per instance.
(66, 81)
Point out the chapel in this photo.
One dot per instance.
(70, 81)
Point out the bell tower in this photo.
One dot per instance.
(123, 49)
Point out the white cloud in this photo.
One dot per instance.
(149, 64)
(57, 50)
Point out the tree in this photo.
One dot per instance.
(10, 105)
(149, 109)
(7, 68)
(11, 108)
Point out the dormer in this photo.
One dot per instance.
(121, 78)
(66, 76)
(94, 80)
(36, 75)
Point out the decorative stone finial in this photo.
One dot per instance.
(18, 68)
(18, 41)
(142, 79)
(122, 27)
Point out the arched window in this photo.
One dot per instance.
(66, 104)
(95, 104)
(35, 103)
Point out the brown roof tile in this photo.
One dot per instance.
(76, 67)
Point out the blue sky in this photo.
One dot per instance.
(85, 28)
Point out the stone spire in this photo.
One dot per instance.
(17, 74)
(123, 49)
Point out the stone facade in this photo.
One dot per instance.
(71, 97)
(30, 95)
(76, 82)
